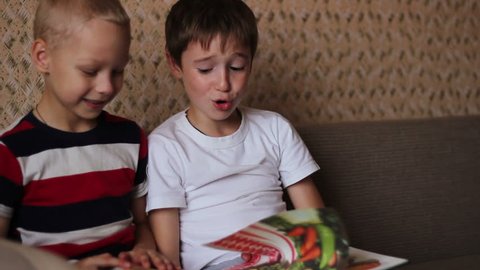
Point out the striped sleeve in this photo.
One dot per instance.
(11, 186)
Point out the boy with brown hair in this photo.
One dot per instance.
(217, 167)
(72, 176)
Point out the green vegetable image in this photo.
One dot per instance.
(327, 237)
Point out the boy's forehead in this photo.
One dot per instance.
(225, 42)
(55, 24)
(65, 31)
(198, 52)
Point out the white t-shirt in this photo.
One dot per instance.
(222, 184)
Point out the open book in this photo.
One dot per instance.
(301, 239)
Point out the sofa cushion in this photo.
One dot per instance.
(465, 262)
(406, 188)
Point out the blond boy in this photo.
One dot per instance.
(72, 176)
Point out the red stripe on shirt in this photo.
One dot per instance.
(22, 126)
(77, 188)
(143, 145)
(9, 167)
(124, 237)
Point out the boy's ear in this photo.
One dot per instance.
(39, 55)
(172, 64)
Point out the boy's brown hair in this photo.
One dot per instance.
(54, 19)
(202, 20)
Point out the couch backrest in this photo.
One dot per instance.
(409, 188)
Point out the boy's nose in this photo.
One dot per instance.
(223, 83)
(105, 85)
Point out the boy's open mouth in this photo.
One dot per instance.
(223, 105)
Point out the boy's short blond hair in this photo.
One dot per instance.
(54, 19)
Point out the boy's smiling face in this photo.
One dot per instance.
(83, 73)
(215, 80)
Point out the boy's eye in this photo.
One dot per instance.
(237, 68)
(204, 70)
(89, 73)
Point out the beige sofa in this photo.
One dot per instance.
(14, 256)
(407, 188)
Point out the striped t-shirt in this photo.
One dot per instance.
(70, 193)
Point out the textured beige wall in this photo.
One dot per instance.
(318, 60)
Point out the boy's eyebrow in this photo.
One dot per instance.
(88, 61)
(95, 62)
(243, 55)
(202, 59)
(240, 54)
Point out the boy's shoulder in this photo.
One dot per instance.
(28, 127)
(261, 115)
(118, 128)
(259, 112)
(23, 123)
(170, 124)
(258, 117)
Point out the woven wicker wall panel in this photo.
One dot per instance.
(318, 61)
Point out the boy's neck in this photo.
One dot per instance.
(61, 121)
(215, 128)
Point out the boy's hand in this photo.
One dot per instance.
(146, 258)
(102, 261)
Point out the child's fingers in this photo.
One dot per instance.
(134, 257)
(161, 262)
(98, 261)
(147, 259)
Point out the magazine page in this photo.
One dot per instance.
(294, 239)
(359, 259)
(301, 239)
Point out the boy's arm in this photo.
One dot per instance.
(145, 251)
(166, 230)
(143, 237)
(304, 194)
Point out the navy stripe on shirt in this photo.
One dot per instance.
(141, 171)
(32, 141)
(78, 216)
(10, 192)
